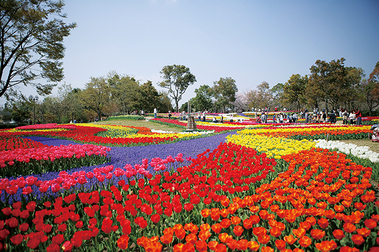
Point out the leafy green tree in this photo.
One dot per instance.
(125, 92)
(149, 97)
(353, 80)
(22, 111)
(31, 40)
(371, 89)
(224, 91)
(165, 102)
(177, 78)
(277, 95)
(203, 99)
(51, 110)
(96, 97)
(71, 108)
(294, 91)
(332, 82)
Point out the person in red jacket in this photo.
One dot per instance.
(358, 115)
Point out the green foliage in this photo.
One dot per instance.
(332, 82)
(32, 45)
(224, 90)
(96, 97)
(294, 91)
(203, 99)
(176, 78)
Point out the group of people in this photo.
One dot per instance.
(354, 116)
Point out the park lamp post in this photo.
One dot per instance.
(34, 99)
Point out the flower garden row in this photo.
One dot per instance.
(248, 194)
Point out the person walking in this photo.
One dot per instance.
(155, 112)
(358, 115)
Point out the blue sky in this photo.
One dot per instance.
(249, 41)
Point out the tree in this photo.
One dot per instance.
(203, 99)
(241, 103)
(22, 110)
(125, 91)
(371, 89)
(294, 91)
(96, 97)
(164, 102)
(277, 94)
(150, 97)
(31, 36)
(260, 98)
(224, 91)
(177, 78)
(332, 82)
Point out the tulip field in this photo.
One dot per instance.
(229, 187)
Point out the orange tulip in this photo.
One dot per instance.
(235, 220)
(204, 227)
(280, 244)
(290, 239)
(242, 244)
(338, 234)
(305, 241)
(247, 224)
(339, 208)
(275, 231)
(191, 238)
(349, 228)
(259, 231)
(255, 219)
(370, 223)
(180, 233)
(178, 247)
(221, 248)
(224, 212)
(300, 232)
(253, 245)
(238, 230)
(201, 246)
(263, 238)
(204, 235)
(225, 202)
(325, 246)
(166, 239)
(357, 239)
(205, 212)
(212, 245)
(224, 237)
(364, 232)
(323, 223)
(267, 249)
(216, 228)
(317, 234)
(225, 223)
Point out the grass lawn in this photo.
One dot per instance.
(142, 123)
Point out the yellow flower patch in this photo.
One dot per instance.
(274, 147)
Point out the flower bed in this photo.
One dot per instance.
(21, 162)
(14, 143)
(230, 197)
(213, 127)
